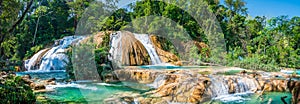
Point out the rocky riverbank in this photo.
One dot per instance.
(14, 90)
(195, 86)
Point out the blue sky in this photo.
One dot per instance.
(272, 8)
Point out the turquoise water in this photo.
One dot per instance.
(91, 92)
(297, 71)
(59, 74)
(170, 67)
(98, 92)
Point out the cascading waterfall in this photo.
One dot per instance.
(218, 86)
(54, 58)
(144, 38)
(159, 80)
(33, 61)
(116, 47)
(243, 86)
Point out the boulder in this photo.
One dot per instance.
(27, 80)
(27, 76)
(231, 86)
(296, 93)
(141, 76)
(182, 88)
(39, 87)
(50, 80)
(294, 88)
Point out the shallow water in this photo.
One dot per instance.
(297, 71)
(170, 66)
(57, 74)
(90, 92)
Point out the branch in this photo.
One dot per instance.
(22, 17)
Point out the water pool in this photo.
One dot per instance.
(89, 92)
(171, 67)
(57, 74)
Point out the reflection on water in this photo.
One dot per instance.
(91, 92)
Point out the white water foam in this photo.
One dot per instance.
(116, 47)
(62, 85)
(237, 97)
(145, 40)
(159, 80)
(55, 58)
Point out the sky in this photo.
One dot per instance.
(272, 8)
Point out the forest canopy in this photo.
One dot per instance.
(28, 26)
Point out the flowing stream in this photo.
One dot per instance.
(54, 58)
(116, 43)
(145, 40)
(51, 63)
(243, 87)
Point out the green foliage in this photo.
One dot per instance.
(14, 91)
(33, 50)
(230, 72)
(69, 67)
(255, 62)
(262, 43)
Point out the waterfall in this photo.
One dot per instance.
(245, 84)
(159, 80)
(33, 61)
(220, 87)
(116, 47)
(53, 58)
(145, 40)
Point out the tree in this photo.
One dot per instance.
(10, 19)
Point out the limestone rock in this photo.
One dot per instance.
(39, 87)
(187, 86)
(141, 76)
(128, 51)
(294, 87)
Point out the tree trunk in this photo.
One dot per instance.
(21, 18)
(3, 35)
(36, 28)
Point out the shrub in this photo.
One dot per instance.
(14, 91)
(254, 63)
